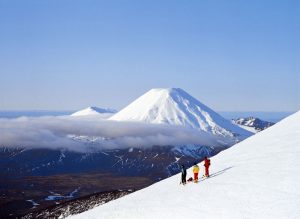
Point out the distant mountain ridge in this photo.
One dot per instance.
(94, 111)
(253, 122)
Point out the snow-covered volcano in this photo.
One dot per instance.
(94, 111)
(174, 106)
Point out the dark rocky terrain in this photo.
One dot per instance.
(74, 206)
(40, 178)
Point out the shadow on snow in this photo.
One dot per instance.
(215, 174)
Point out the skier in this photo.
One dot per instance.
(206, 165)
(183, 175)
(195, 171)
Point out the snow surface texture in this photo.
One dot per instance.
(95, 111)
(257, 178)
(176, 107)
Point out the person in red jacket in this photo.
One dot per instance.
(206, 165)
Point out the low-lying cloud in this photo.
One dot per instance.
(78, 134)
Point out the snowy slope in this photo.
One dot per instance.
(95, 111)
(176, 107)
(257, 178)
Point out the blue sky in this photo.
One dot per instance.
(69, 54)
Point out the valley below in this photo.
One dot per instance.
(37, 179)
(29, 194)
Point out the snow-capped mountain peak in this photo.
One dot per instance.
(92, 111)
(174, 106)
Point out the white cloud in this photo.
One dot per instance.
(54, 132)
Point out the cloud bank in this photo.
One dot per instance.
(79, 134)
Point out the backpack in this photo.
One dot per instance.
(190, 179)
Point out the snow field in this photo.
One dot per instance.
(257, 178)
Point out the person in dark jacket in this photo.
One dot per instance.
(183, 175)
(206, 165)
